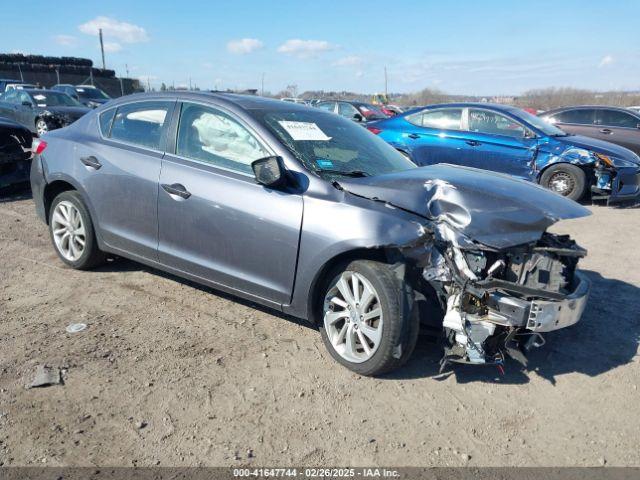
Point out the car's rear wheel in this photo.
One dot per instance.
(368, 321)
(41, 127)
(72, 232)
(565, 179)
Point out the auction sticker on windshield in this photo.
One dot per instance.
(303, 131)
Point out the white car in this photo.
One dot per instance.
(18, 86)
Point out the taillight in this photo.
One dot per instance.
(38, 146)
(374, 130)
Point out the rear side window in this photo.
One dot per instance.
(614, 118)
(105, 121)
(141, 123)
(445, 119)
(582, 116)
(347, 110)
(209, 135)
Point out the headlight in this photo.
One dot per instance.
(603, 159)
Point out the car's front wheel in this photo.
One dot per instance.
(41, 127)
(72, 232)
(565, 179)
(368, 324)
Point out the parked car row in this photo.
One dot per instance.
(220, 183)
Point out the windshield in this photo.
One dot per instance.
(540, 124)
(54, 99)
(93, 93)
(331, 145)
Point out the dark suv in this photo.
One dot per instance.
(616, 125)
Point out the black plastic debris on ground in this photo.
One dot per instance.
(46, 376)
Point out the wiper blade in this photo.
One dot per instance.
(344, 173)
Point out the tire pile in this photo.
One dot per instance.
(45, 64)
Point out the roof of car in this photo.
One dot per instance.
(598, 107)
(247, 102)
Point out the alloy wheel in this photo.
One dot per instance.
(68, 231)
(562, 183)
(353, 317)
(41, 127)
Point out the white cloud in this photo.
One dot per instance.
(304, 48)
(349, 61)
(115, 29)
(112, 47)
(244, 46)
(65, 40)
(606, 60)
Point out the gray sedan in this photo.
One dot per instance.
(310, 214)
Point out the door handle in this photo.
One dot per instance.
(413, 136)
(473, 143)
(606, 131)
(176, 189)
(91, 162)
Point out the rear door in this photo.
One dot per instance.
(499, 143)
(215, 221)
(9, 105)
(618, 127)
(121, 172)
(436, 136)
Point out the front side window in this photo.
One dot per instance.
(347, 110)
(331, 145)
(328, 106)
(23, 98)
(582, 116)
(141, 123)
(493, 123)
(212, 136)
(614, 118)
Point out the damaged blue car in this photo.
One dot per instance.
(509, 140)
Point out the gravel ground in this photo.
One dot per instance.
(170, 373)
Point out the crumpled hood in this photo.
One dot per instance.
(600, 146)
(494, 209)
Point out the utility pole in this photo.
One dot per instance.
(126, 69)
(58, 75)
(102, 48)
(189, 83)
(386, 93)
(262, 89)
(21, 75)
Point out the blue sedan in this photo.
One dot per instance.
(509, 140)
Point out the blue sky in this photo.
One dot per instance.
(467, 47)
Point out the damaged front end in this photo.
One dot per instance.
(55, 120)
(498, 302)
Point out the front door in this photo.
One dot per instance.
(215, 221)
(499, 143)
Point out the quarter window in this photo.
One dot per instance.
(446, 119)
(141, 123)
(105, 121)
(214, 137)
(493, 123)
(613, 118)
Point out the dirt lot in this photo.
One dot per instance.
(170, 373)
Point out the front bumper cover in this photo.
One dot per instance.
(625, 186)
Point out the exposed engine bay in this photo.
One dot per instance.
(497, 303)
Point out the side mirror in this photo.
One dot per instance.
(269, 171)
(357, 117)
(26, 103)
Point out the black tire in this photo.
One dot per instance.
(401, 317)
(565, 179)
(91, 256)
